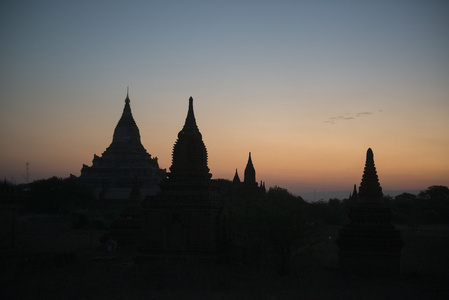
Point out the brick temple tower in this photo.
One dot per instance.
(370, 244)
(188, 217)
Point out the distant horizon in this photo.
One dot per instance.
(310, 196)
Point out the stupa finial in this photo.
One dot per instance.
(190, 124)
(127, 95)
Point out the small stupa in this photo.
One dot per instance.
(249, 179)
(236, 180)
(370, 244)
(248, 187)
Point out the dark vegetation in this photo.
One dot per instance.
(67, 197)
(430, 206)
(55, 195)
(70, 197)
(283, 247)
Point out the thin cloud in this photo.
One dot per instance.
(365, 113)
(349, 116)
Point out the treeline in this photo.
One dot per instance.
(268, 228)
(63, 195)
(430, 206)
(55, 195)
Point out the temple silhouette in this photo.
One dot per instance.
(249, 184)
(188, 217)
(370, 244)
(112, 174)
(182, 214)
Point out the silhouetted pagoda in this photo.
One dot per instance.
(188, 217)
(370, 244)
(249, 184)
(249, 180)
(112, 174)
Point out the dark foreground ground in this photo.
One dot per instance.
(59, 263)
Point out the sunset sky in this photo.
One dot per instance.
(305, 86)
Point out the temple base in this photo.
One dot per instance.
(370, 251)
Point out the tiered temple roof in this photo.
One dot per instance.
(124, 159)
(370, 189)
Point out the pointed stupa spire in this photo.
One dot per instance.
(370, 188)
(354, 194)
(190, 123)
(236, 179)
(262, 186)
(127, 95)
(126, 130)
(250, 173)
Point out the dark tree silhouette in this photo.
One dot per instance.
(56, 195)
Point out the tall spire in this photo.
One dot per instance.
(370, 188)
(250, 173)
(190, 123)
(189, 152)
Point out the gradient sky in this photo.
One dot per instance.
(306, 86)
